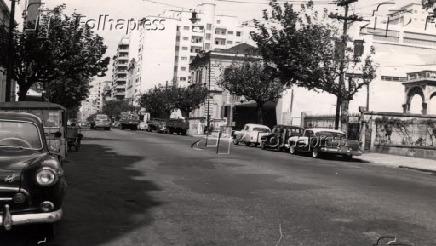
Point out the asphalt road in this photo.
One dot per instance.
(138, 188)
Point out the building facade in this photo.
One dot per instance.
(403, 44)
(164, 55)
(119, 69)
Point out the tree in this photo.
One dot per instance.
(160, 100)
(113, 108)
(60, 49)
(255, 81)
(301, 45)
(68, 92)
(190, 98)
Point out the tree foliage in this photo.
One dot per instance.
(306, 48)
(113, 108)
(60, 50)
(161, 100)
(255, 81)
(66, 91)
(190, 98)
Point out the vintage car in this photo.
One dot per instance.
(102, 121)
(250, 134)
(324, 141)
(32, 182)
(54, 120)
(278, 138)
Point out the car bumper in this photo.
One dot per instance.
(8, 220)
(102, 125)
(340, 151)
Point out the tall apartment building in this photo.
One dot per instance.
(164, 55)
(119, 69)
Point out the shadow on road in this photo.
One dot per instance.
(105, 200)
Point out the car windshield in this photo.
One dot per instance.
(258, 129)
(50, 118)
(101, 117)
(23, 135)
(335, 135)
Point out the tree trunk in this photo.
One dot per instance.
(338, 112)
(259, 109)
(22, 94)
(344, 115)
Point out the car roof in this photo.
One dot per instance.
(20, 116)
(287, 126)
(315, 130)
(30, 105)
(256, 125)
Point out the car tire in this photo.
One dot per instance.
(348, 157)
(315, 153)
(262, 145)
(247, 144)
(235, 142)
(292, 150)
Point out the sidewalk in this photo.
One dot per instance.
(394, 161)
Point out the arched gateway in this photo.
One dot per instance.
(422, 84)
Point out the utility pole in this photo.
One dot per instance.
(340, 98)
(11, 52)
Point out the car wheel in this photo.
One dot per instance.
(348, 157)
(247, 143)
(292, 150)
(235, 142)
(262, 145)
(315, 153)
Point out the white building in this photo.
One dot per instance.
(119, 69)
(402, 46)
(164, 55)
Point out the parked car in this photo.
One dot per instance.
(278, 138)
(250, 134)
(324, 141)
(143, 126)
(102, 121)
(31, 177)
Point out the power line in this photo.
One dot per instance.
(290, 1)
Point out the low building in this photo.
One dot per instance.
(207, 68)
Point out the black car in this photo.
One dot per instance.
(278, 138)
(32, 182)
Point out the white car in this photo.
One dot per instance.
(250, 134)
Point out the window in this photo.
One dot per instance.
(208, 35)
(186, 28)
(229, 42)
(184, 58)
(178, 28)
(218, 21)
(230, 32)
(184, 48)
(209, 27)
(238, 34)
(183, 68)
(178, 38)
(182, 78)
(185, 38)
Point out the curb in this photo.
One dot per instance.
(419, 169)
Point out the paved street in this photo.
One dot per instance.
(139, 188)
